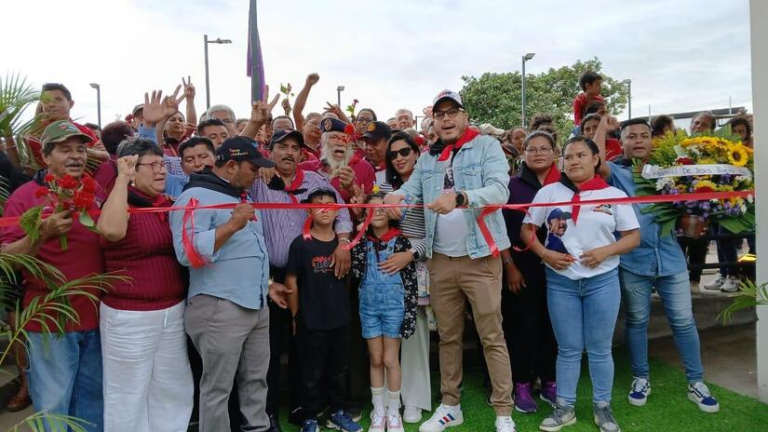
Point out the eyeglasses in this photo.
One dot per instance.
(364, 120)
(451, 113)
(404, 152)
(155, 166)
(542, 150)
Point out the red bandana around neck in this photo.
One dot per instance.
(292, 189)
(553, 176)
(387, 236)
(597, 183)
(468, 136)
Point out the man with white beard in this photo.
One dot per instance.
(347, 172)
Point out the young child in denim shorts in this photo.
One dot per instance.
(387, 311)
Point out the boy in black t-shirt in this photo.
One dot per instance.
(320, 308)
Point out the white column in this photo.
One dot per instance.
(758, 18)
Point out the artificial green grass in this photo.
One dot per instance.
(668, 408)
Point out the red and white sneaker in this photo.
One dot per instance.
(444, 417)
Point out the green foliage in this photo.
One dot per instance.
(52, 311)
(30, 222)
(749, 296)
(15, 96)
(496, 98)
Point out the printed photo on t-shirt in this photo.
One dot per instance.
(557, 226)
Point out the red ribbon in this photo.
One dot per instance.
(486, 232)
(468, 136)
(194, 257)
(363, 229)
(305, 232)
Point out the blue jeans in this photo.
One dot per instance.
(583, 314)
(728, 252)
(65, 376)
(675, 294)
(382, 310)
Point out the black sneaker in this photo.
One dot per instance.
(355, 413)
(274, 424)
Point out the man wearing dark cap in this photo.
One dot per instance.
(347, 173)
(658, 263)
(290, 185)
(463, 172)
(376, 136)
(227, 316)
(65, 371)
(137, 117)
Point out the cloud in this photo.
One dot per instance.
(681, 56)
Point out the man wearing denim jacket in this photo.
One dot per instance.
(462, 173)
(227, 316)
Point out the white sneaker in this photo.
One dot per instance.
(395, 423)
(444, 417)
(639, 392)
(731, 284)
(411, 414)
(378, 421)
(505, 424)
(716, 284)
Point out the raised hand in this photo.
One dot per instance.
(126, 166)
(171, 103)
(286, 106)
(312, 79)
(189, 88)
(260, 110)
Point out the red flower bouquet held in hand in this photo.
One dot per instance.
(66, 194)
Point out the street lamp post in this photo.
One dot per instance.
(339, 89)
(207, 82)
(628, 82)
(98, 100)
(525, 59)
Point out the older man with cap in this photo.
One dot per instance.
(462, 173)
(290, 184)
(65, 375)
(227, 316)
(349, 174)
(375, 137)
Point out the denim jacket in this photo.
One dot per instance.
(481, 171)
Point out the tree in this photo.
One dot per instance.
(496, 98)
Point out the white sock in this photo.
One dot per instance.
(394, 402)
(378, 398)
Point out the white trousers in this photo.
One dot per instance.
(147, 378)
(416, 389)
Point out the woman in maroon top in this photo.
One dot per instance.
(147, 377)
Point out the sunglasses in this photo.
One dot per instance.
(404, 152)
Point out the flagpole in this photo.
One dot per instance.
(255, 60)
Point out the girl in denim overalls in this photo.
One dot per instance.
(387, 312)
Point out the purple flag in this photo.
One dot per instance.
(255, 67)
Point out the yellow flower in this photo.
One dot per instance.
(376, 189)
(706, 186)
(737, 155)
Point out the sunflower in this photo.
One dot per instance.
(705, 186)
(737, 155)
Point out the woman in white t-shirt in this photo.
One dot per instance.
(581, 254)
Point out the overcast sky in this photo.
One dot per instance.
(681, 55)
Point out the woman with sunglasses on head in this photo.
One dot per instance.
(527, 327)
(147, 376)
(401, 156)
(581, 254)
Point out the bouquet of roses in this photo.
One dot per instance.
(681, 164)
(64, 194)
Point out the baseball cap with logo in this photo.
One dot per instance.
(281, 135)
(448, 95)
(377, 130)
(240, 148)
(62, 130)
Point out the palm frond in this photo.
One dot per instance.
(16, 95)
(37, 422)
(750, 295)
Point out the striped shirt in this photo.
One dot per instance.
(413, 226)
(281, 226)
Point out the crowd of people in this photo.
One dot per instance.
(219, 292)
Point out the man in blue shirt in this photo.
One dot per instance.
(657, 263)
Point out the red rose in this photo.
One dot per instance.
(48, 178)
(83, 200)
(89, 185)
(41, 192)
(349, 129)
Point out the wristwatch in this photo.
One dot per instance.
(460, 201)
(415, 253)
